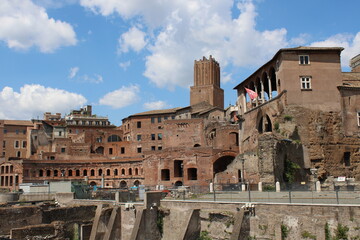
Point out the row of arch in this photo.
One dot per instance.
(88, 173)
(264, 85)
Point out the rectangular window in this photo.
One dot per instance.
(347, 159)
(62, 150)
(358, 118)
(24, 144)
(172, 117)
(138, 124)
(166, 118)
(159, 148)
(153, 120)
(304, 59)
(110, 151)
(139, 149)
(159, 136)
(153, 148)
(305, 82)
(4, 144)
(138, 137)
(159, 119)
(60, 133)
(17, 144)
(17, 131)
(5, 131)
(122, 150)
(153, 136)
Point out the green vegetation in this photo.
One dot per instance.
(308, 235)
(277, 127)
(288, 118)
(290, 169)
(327, 232)
(341, 232)
(269, 188)
(160, 222)
(284, 231)
(204, 235)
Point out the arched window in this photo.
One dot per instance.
(70, 173)
(92, 172)
(114, 138)
(115, 172)
(56, 173)
(48, 173)
(78, 173)
(136, 171)
(130, 171)
(108, 172)
(100, 172)
(85, 172)
(122, 171)
(41, 173)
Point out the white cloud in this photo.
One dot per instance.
(24, 24)
(125, 65)
(155, 105)
(350, 42)
(180, 31)
(133, 39)
(95, 79)
(121, 97)
(33, 100)
(73, 71)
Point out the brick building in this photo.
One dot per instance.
(306, 112)
(184, 145)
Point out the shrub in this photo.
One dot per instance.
(288, 118)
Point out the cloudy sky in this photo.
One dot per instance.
(125, 57)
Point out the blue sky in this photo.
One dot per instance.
(125, 57)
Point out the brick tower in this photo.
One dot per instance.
(207, 83)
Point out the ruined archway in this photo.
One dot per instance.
(222, 163)
(123, 184)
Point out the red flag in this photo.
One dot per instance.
(251, 93)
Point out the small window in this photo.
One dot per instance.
(5, 131)
(60, 133)
(24, 143)
(138, 137)
(305, 83)
(166, 118)
(153, 137)
(358, 118)
(347, 159)
(17, 144)
(172, 117)
(138, 124)
(139, 149)
(159, 136)
(122, 150)
(4, 144)
(159, 148)
(110, 151)
(153, 148)
(62, 150)
(18, 154)
(153, 120)
(304, 59)
(159, 119)
(17, 131)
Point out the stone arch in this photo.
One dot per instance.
(197, 145)
(114, 138)
(123, 184)
(92, 183)
(265, 81)
(222, 163)
(137, 183)
(274, 85)
(178, 183)
(99, 150)
(264, 123)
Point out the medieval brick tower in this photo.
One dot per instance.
(207, 83)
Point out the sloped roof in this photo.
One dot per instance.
(18, 122)
(156, 112)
